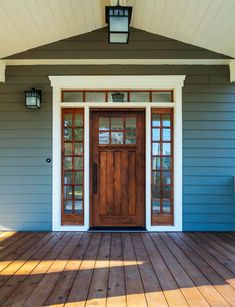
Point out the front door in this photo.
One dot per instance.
(118, 168)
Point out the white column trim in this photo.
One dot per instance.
(232, 71)
(2, 71)
(117, 82)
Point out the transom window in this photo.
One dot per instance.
(117, 96)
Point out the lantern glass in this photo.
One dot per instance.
(118, 24)
(33, 99)
(118, 38)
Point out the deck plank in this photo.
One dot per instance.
(134, 288)
(188, 288)
(98, 288)
(78, 294)
(213, 297)
(153, 291)
(221, 285)
(169, 286)
(116, 284)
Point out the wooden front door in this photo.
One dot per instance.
(118, 168)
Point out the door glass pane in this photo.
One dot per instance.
(79, 120)
(117, 137)
(156, 120)
(166, 177)
(78, 177)
(161, 96)
(68, 149)
(156, 163)
(68, 120)
(68, 192)
(156, 134)
(68, 206)
(166, 120)
(104, 123)
(78, 163)
(78, 134)
(103, 138)
(78, 149)
(166, 134)
(73, 96)
(166, 149)
(131, 123)
(156, 206)
(95, 96)
(68, 177)
(68, 134)
(78, 206)
(166, 206)
(68, 163)
(116, 124)
(78, 192)
(156, 149)
(166, 163)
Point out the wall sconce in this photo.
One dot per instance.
(33, 99)
(118, 19)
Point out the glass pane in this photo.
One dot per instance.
(116, 124)
(78, 163)
(117, 137)
(78, 134)
(95, 96)
(166, 120)
(156, 206)
(103, 123)
(166, 149)
(131, 123)
(161, 97)
(156, 163)
(68, 163)
(166, 177)
(131, 133)
(117, 97)
(156, 149)
(68, 134)
(155, 191)
(139, 97)
(167, 192)
(166, 206)
(68, 149)
(166, 134)
(156, 134)
(78, 177)
(130, 140)
(79, 120)
(166, 163)
(68, 120)
(78, 149)
(78, 206)
(156, 178)
(68, 206)
(68, 192)
(156, 120)
(104, 138)
(68, 177)
(78, 192)
(73, 96)
(131, 137)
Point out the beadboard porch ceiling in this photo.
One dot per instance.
(27, 24)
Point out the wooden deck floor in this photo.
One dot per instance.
(117, 269)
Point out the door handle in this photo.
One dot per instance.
(95, 177)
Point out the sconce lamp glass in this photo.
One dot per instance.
(33, 99)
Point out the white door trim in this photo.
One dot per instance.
(117, 82)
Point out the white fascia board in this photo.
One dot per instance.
(123, 82)
(2, 71)
(18, 62)
(232, 71)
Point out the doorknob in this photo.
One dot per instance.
(95, 177)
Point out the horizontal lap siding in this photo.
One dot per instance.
(208, 140)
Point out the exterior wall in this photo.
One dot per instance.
(208, 145)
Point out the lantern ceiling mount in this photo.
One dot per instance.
(118, 19)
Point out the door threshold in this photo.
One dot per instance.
(117, 229)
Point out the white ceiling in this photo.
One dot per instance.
(26, 24)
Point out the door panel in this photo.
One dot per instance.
(118, 152)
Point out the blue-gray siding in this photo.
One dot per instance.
(208, 145)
